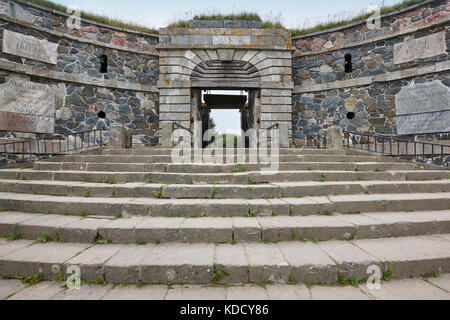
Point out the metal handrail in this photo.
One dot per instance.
(393, 147)
(182, 127)
(37, 148)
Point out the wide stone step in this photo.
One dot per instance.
(420, 288)
(225, 207)
(222, 191)
(176, 263)
(221, 168)
(162, 151)
(223, 178)
(168, 159)
(223, 230)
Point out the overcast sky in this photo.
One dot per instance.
(292, 13)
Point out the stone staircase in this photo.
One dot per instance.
(131, 216)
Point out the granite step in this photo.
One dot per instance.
(225, 207)
(181, 263)
(163, 151)
(222, 191)
(420, 288)
(64, 228)
(251, 177)
(168, 159)
(221, 168)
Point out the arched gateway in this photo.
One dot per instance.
(258, 61)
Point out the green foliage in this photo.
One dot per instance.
(360, 17)
(109, 180)
(219, 275)
(119, 23)
(86, 193)
(43, 238)
(33, 279)
(388, 273)
(14, 236)
(244, 15)
(158, 194)
(323, 177)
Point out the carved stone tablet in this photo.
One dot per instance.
(421, 48)
(27, 107)
(29, 47)
(423, 108)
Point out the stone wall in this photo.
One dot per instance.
(126, 92)
(383, 61)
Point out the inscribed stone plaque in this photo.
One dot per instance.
(27, 107)
(421, 48)
(423, 108)
(29, 47)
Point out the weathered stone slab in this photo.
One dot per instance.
(422, 97)
(41, 291)
(133, 293)
(407, 289)
(423, 108)
(424, 123)
(26, 106)
(421, 48)
(30, 47)
(8, 287)
(196, 293)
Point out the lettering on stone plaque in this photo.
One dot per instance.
(421, 48)
(423, 108)
(29, 47)
(27, 107)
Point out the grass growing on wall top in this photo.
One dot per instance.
(244, 15)
(114, 22)
(273, 23)
(359, 17)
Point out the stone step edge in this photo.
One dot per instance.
(253, 177)
(420, 288)
(63, 228)
(284, 262)
(220, 191)
(225, 207)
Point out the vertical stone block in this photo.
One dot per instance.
(166, 134)
(120, 137)
(335, 138)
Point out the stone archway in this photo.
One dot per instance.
(259, 60)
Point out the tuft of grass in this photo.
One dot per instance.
(14, 236)
(158, 194)
(219, 275)
(33, 279)
(101, 240)
(244, 15)
(115, 22)
(251, 213)
(434, 274)
(388, 273)
(43, 238)
(109, 180)
(140, 243)
(213, 193)
(240, 170)
(323, 177)
(360, 17)
(86, 193)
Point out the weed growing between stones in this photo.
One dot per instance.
(33, 279)
(14, 236)
(43, 238)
